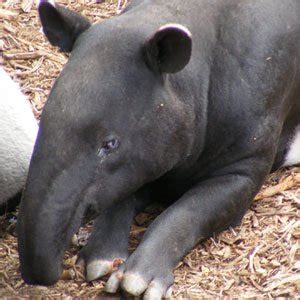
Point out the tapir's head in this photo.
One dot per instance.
(112, 123)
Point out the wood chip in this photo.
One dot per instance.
(287, 183)
(27, 5)
(7, 14)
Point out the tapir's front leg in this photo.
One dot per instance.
(107, 246)
(209, 207)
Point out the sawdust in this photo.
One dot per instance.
(259, 258)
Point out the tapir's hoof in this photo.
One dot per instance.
(136, 285)
(99, 268)
(113, 282)
(155, 292)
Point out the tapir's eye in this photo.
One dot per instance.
(110, 144)
(107, 146)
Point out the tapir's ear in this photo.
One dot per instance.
(169, 49)
(60, 25)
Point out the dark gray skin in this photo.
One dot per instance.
(141, 114)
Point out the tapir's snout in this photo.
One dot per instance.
(45, 228)
(40, 259)
(51, 211)
(42, 245)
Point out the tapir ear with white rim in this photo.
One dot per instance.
(169, 49)
(61, 26)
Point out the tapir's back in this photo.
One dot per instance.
(255, 77)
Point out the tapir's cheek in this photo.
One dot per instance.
(105, 163)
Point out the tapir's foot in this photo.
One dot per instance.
(107, 246)
(103, 256)
(99, 267)
(138, 278)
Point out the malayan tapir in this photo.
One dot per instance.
(18, 130)
(189, 103)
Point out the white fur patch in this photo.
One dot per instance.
(18, 130)
(293, 155)
(177, 26)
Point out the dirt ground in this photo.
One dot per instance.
(260, 258)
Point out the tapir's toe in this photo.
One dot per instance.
(154, 288)
(134, 284)
(156, 291)
(100, 267)
(114, 281)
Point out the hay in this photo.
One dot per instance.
(259, 258)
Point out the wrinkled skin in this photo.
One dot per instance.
(137, 117)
